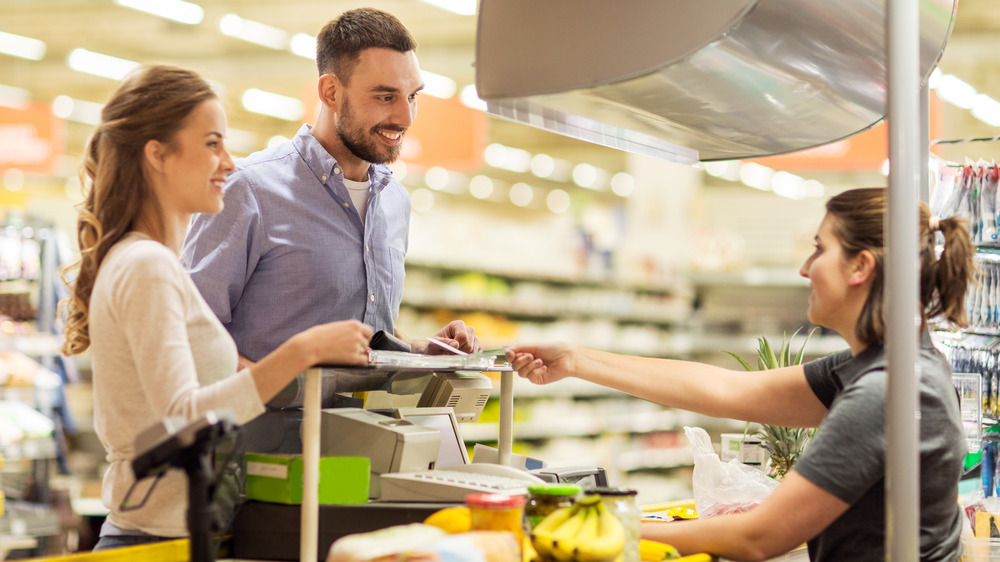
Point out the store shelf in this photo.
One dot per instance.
(29, 449)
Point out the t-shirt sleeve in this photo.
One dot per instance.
(222, 250)
(820, 376)
(149, 303)
(846, 457)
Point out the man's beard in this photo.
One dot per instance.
(360, 144)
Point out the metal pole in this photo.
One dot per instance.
(311, 405)
(925, 141)
(901, 287)
(506, 417)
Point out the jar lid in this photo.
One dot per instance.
(554, 489)
(494, 500)
(614, 491)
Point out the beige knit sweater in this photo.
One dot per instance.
(157, 351)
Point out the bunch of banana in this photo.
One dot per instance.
(653, 551)
(583, 532)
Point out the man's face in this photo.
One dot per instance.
(379, 104)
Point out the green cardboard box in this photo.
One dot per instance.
(278, 479)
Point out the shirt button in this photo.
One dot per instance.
(348, 205)
(336, 170)
(372, 297)
(366, 247)
(323, 179)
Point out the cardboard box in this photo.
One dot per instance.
(278, 479)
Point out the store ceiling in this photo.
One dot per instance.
(447, 45)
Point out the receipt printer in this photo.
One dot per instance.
(392, 445)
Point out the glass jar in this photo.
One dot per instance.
(622, 503)
(545, 498)
(496, 512)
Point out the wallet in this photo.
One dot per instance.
(388, 342)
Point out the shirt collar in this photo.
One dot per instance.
(322, 165)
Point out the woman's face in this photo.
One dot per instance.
(197, 162)
(832, 299)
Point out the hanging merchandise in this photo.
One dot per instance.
(970, 191)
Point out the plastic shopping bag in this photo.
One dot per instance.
(723, 487)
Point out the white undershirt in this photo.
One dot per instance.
(359, 195)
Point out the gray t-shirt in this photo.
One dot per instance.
(847, 455)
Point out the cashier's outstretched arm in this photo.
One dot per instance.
(794, 513)
(777, 396)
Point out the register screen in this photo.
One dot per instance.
(452, 448)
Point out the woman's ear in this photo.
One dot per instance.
(154, 152)
(863, 268)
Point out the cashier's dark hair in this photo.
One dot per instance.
(150, 104)
(859, 225)
(340, 42)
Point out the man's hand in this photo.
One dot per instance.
(455, 334)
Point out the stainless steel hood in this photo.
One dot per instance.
(690, 80)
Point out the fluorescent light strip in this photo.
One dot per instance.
(438, 85)
(20, 46)
(97, 64)
(15, 98)
(275, 105)
(461, 7)
(303, 45)
(173, 10)
(80, 111)
(254, 32)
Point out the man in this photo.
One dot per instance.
(315, 229)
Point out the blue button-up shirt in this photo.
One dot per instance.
(289, 250)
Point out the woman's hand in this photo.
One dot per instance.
(340, 343)
(543, 363)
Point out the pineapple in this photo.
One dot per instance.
(785, 444)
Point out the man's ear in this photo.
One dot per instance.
(154, 153)
(328, 88)
(863, 268)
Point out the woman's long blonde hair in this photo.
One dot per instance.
(151, 104)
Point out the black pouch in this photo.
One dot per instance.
(388, 342)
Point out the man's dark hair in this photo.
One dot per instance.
(341, 41)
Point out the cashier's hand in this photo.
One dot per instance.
(544, 362)
(458, 335)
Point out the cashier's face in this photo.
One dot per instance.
(829, 272)
(379, 104)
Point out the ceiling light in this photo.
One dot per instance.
(174, 10)
(470, 98)
(481, 187)
(715, 169)
(438, 85)
(15, 98)
(461, 7)
(437, 178)
(97, 64)
(622, 184)
(275, 105)
(987, 110)
(558, 201)
(253, 32)
(953, 90)
(304, 45)
(542, 165)
(20, 46)
(399, 170)
(13, 179)
(584, 175)
(756, 176)
(276, 140)
(788, 185)
(521, 194)
(422, 200)
(86, 112)
(239, 140)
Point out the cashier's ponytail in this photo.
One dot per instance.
(151, 104)
(944, 279)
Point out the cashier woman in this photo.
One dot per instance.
(833, 496)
